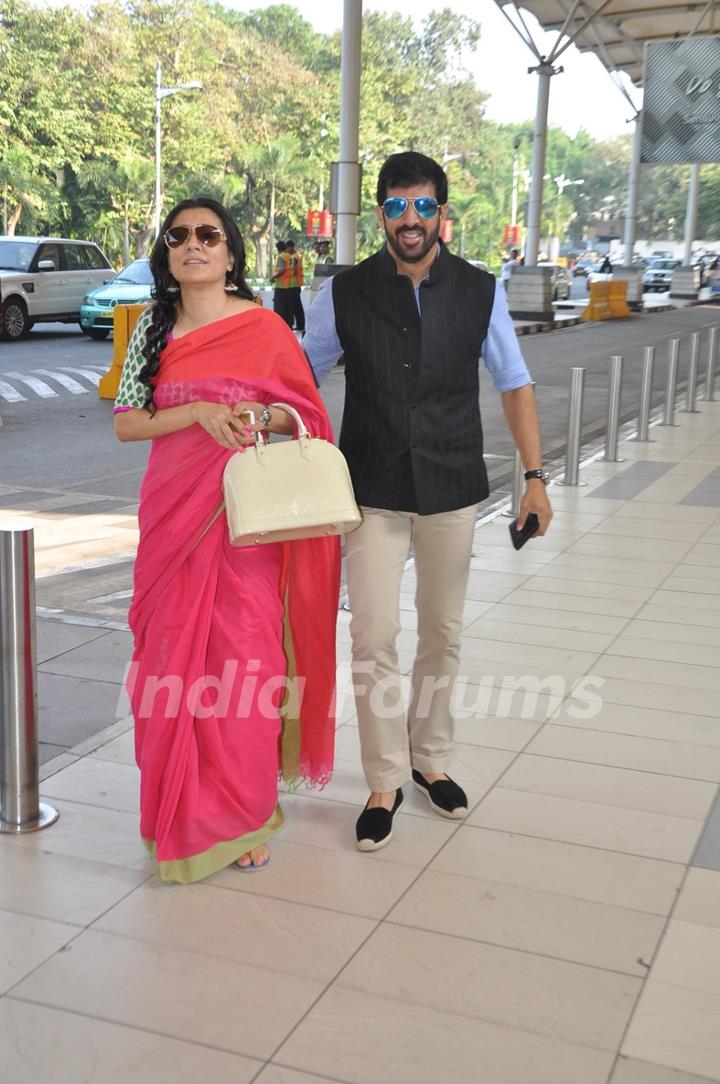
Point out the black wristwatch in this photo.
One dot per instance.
(265, 417)
(540, 473)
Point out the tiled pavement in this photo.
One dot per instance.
(567, 933)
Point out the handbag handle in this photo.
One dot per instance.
(261, 437)
(300, 424)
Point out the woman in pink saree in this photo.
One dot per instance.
(233, 674)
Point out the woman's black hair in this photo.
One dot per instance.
(165, 289)
(408, 168)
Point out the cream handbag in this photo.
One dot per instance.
(288, 490)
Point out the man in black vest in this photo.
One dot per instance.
(412, 322)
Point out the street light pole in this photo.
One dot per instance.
(160, 93)
(562, 183)
(516, 162)
(158, 133)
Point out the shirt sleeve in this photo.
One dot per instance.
(321, 342)
(501, 350)
(131, 393)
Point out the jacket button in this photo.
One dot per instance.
(413, 406)
(407, 365)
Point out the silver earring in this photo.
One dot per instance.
(173, 290)
(231, 288)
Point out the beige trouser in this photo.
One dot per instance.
(376, 556)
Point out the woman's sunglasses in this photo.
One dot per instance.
(206, 235)
(396, 206)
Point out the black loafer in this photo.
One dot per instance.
(444, 796)
(374, 826)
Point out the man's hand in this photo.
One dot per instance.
(535, 499)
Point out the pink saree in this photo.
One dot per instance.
(233, 675)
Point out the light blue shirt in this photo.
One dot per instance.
(500, 351)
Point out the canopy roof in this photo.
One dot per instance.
(616, 30)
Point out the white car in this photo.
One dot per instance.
(596, 275)
(45, 279)
(658, 276)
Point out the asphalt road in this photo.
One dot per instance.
(58, 454)
(57, 432)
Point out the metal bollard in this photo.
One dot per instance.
(612, 430)
(673, 354)
(517, 486)
(20, 808)
(710, 370)
(691, 390)
(646, 388)
(575, 409)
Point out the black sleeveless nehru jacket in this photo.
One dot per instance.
(411, 429)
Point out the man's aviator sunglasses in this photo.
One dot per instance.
(396, 206)
(209, 236)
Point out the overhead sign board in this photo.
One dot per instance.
(681, 108)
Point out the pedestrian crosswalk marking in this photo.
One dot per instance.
(31, 382)
(64, 379)
(38, 386)
(89, 373)
(8, 393)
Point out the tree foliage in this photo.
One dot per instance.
(77, 102)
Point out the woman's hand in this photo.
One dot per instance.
(280, 422)
(257, 408)
(220, 420)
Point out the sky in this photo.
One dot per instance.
(583, 96)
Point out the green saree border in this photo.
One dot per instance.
(197, 867)
(290, 738)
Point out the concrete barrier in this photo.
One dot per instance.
(608, 301)
(124, 319)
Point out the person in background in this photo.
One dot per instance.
(278, 279)
(507, 267)
(294, 280)
(413, 322)
(606, 267)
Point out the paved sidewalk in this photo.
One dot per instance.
(567, 933)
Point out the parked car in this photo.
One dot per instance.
(582, 266)
(560, 281)
(44, 279)
(596, 274)
(658, 275)
(131, 286)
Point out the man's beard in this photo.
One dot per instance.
(415, 257)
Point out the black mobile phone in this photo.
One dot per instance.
(519, 538)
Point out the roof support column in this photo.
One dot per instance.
(532, 241)
(348, 180)
(691, 213)
(633, 193)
